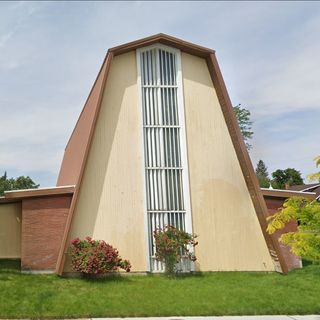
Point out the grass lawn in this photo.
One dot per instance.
(221, 293)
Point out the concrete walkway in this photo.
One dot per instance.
(309, 317)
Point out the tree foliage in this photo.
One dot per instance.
(305, 242)
(262, 174)
(315, 176)
(243, 117)
(289, 176)
(22, 182)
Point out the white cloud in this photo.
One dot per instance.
(50, 53)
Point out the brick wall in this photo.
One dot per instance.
(273, 204)
(43, 223)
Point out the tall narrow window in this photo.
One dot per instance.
(166, 177)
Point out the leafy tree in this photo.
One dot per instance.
(19, 183)
(305, 242)
(315, 176)
(4, 184)
(262, 174)
(289, 176)
(243, 117)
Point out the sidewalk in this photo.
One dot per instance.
(308, 317)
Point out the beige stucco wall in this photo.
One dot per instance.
(10, 230)
(230, 237)
(110, 203)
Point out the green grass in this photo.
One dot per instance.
(221, 293)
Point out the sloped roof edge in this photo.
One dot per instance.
(164, 39)
(231, 121)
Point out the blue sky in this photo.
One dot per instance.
(50, 53)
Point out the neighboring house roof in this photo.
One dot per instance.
(278, 193)
(312, 187)
(77, 150)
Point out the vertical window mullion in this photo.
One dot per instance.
(175, 75)
(151, 189)
(147, 189)
(173, 191)
(149, 67)
(166, 67)
(154, 106)
(174, 155)
(159, 147)
(176, 188)
(170, 147)
(147, 105)
(153, 147)
(160, 188)
(155, 187)
(176, 105)
(161, 67)
(154, 66)
(169, 68)
(182, 191)
(150, 105)
(171, 106)
(144, 111)
(143, 80)
(149, 142)
(163, 183)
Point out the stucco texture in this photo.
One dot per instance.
(10, 230)
(110, 203)
(230, 237)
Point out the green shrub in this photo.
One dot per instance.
(96, 256)
(173, 244)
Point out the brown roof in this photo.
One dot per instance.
(312, 187)
(78, 147)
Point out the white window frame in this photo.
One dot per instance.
(183, 143)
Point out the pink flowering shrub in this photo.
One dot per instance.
(96, 256)
(171, 245)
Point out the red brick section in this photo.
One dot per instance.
(43, 223)
(273, 205)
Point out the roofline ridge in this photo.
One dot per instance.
(165, 39)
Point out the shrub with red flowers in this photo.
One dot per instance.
(96, 256)
(172, 245)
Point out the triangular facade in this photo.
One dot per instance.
(157, 143)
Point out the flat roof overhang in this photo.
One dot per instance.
(18, 195)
